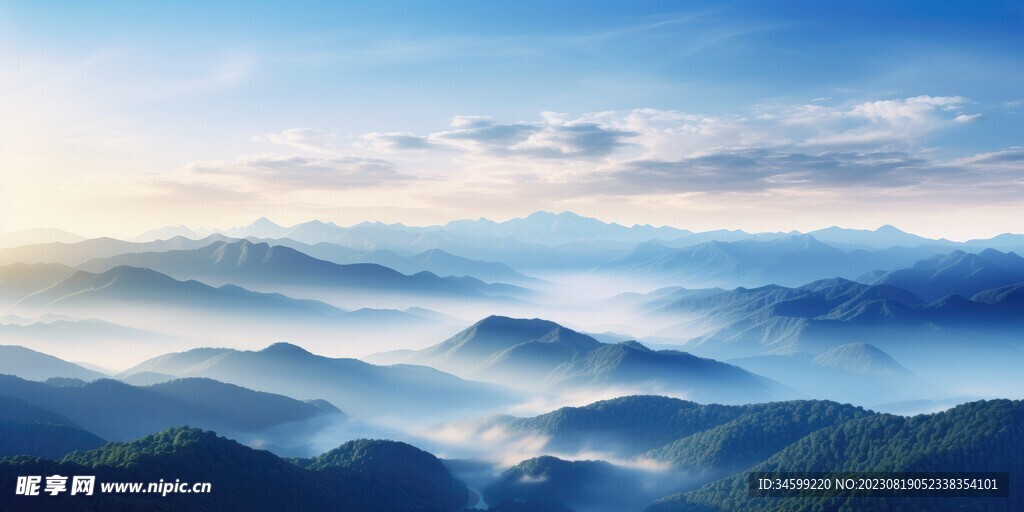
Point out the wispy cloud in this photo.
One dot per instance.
(224, 71)
(649, 152)
(308, 139)
(760, 169)
(303, 173)
(554, 137)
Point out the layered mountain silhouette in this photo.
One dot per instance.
(142, 286)
(958, 273)
(435, 261)
(821, 315)
(854, 372)
(76, 253)
(467, 243)
(123, 290)
(884, 237)
(273, 268)
(117, 411)
(82, 339)
(32, 365)
(541, 240)
(20, 279)
(537, 228)
(789, 260)
(358, 388)
(539, 354)
(27, 429)
(363, 475)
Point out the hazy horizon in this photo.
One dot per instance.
(201, 229)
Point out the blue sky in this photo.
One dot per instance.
(698, 114)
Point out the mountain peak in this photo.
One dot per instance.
(283, 348)
(264, 222)
(889, 228)
(863, 358)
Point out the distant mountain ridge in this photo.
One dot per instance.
(358, 388)
(881, 238)
(135, 295)
(37, 236)
(815, 317)
(118, 411)
(958, 273)
(76, 253)
(266, 267)
(539, 227)
(522, 240)
(31, 365)
(790, 260)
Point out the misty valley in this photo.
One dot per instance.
(547, 363)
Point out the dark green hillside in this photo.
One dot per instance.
(759, 432)
(626, 425)
(414, 475)
(977, 436)
(26, 429)
(585, 485)
(243, 479)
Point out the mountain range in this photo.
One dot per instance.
(117, 411)
(855, 372)
(435, 261)
(141, 300)
(823, 314)
(957, 273)
(358, 388)
(264, 267)
(790, 260)
(537, 228)
(32, 365)
(704, 452)
(551, 229)
(72, 254)
(542, 355)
